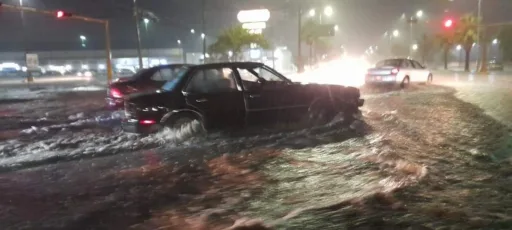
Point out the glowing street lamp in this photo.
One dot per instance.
(336, 28)
(396, 33)
(203, 35)
(146, 21)
(192, 31)
(415, 47)
(83, 38)
(312, 12)
(419, 14)
(179, 42)
(459, 47)
(328, 11)
(495, 41)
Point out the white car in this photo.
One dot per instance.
(400, 70)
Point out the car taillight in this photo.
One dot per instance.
(147, 122)
(394, 71)
(115, 93)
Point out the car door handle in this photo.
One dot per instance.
(254, 95)
(201, 100)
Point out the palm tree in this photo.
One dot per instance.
(235, 40)
(446, 40)
(310, 35)
(466, 32)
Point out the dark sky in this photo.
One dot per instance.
(361, 21)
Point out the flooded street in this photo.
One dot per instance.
(428, 157)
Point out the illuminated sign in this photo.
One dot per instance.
(246, 16)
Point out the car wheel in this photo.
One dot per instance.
(430, 79)
(405, 82)
(182, 122)
(320, 113)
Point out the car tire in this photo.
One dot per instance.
(430, 79)
(320, 113)
(405, 82)
(181, 122)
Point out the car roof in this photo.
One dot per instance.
(229, 65)
(171, 66)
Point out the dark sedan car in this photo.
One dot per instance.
(223, 95)
(142, 81)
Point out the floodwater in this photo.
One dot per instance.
(418, 158)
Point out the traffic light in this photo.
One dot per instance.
(448, 23)
(62, 14)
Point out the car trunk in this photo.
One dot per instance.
(380, 71)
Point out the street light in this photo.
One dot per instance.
(396, 33)
(459, 47)
(83, 38)
(328, 11)
(312, 12)
(146, 21)
(179, 42)
(415, 47)
(203, 35)
(336, 28)
(419, 14)
(495, 41)
(192, 31)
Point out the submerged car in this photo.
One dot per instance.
(145, 80)
(223, 95)
(400, 70)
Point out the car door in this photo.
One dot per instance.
(406, 69)
(265, 95)
(217, 96)
(421, 73)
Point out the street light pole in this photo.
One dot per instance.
(479, 18)
(300, 65)
(204, 28)
(137, 26)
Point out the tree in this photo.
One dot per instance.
(235, 40)
(505, 38)
(309, 34)
(466, 31)
(446, 40)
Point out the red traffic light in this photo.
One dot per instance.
(62, 14)
(448, 23)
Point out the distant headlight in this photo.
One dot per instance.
(79, 74)
(88, 75)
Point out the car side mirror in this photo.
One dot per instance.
(261, 81)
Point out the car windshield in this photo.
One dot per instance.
(390, 62)
(171, 84)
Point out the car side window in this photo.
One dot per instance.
(157, 76)
(212, 81)
(405, 64)
(252, 78)
(166, 74)
(417, 65)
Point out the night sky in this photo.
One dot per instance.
(361, 22)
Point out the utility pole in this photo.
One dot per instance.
(203, 22)
(137, 26)
(479, 18)
(300, 65)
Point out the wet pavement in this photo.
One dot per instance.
(419, 158)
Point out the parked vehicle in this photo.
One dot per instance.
(400, 70)
(231, 95)
(495, 65)
(144, 80)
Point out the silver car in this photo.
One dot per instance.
(399, 70)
